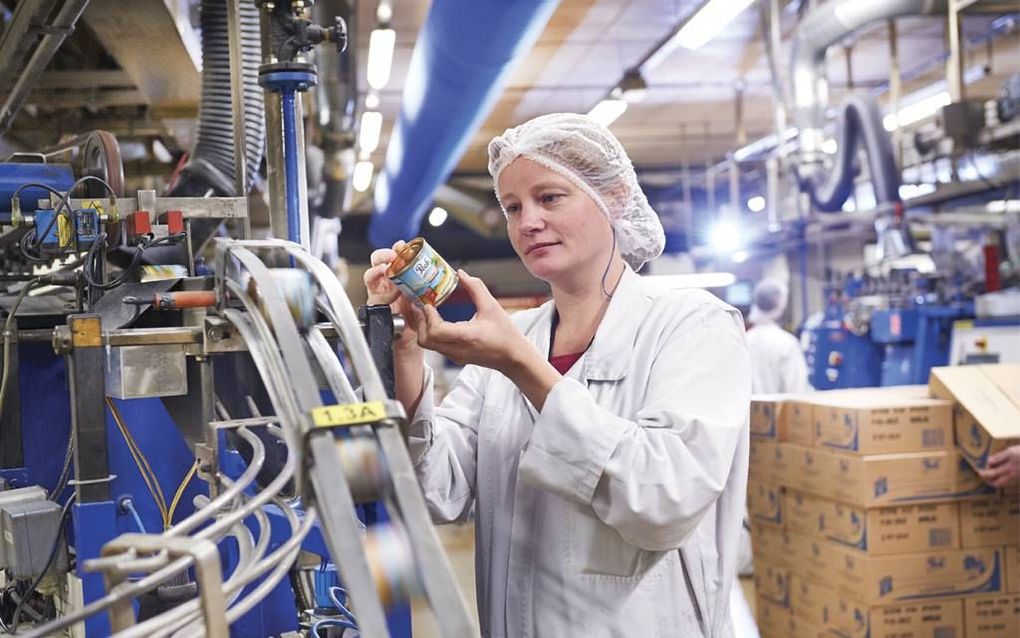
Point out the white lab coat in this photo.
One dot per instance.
(640, 451)
(777, 362)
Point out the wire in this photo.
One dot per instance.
(179, 493)
(65, 472)
(93, 257)
(148, 476)
(49, 563)
(7, 339)
(129, 506)
(330, 622)
(334, 595)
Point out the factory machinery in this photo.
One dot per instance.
(944, 283)
(191, 449)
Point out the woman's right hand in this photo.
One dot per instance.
(381, 291)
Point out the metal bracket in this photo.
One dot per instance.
(163, 549)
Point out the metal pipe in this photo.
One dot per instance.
(237, 94)
(954, 65)
(302, 173)
(895, 86)
(291, 171)
(819, 30)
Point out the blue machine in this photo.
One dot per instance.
(14, 175)
(882, 333)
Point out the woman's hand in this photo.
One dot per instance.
(1003, 467)
(490, 339)
(381, 291)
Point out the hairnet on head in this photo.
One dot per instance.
(591, 157)
(768, 301)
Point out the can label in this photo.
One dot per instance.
(428, 278)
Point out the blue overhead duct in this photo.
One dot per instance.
(463, 55)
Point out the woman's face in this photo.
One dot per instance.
(559, 233)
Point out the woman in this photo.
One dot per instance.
(596, 435)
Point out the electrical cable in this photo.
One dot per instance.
(49, 563)
(65, 472)
(93, 257)
(148, 476)
(330, 622)
(334, 596)
(130, 508)
(180, 493)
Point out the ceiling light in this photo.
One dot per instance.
(362, 178)
(380, 57)
(711, 18)
(691, 280)
(372, 101)
(438, 216)
(633, 86)
(161, 153)
(384, 12)
(829, 146)
(756, 204)
(917, 111)
(368, 134)
(725, 237)
(740, 256)
(606, 111)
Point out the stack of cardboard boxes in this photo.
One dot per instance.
(868, 521)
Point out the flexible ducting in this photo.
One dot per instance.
(819, 30)
(212, 163)
(859, 123)
(462, 57)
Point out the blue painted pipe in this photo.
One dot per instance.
(461, 60)
(16, 174)
(290, 158)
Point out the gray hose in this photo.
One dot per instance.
(211, 165)
(859, 122)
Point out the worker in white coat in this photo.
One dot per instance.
(601, 440)
(777, 362)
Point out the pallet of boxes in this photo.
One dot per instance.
(868, 519)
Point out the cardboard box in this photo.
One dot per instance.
(927, 619)
(773, 619)
(801, 628)
(886, 479)
(811, 601)
(882, 423)
(771, 545)
(768, 416)
(992, 616)
(1013, 570)
(800, 422)
(906, 577)
(877, 531)
(987, 410)
(989, 522)
(814, 559)
(765, 504)
(769, 463)
(772, 583)
(808, 467)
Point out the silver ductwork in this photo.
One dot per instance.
(819, 30)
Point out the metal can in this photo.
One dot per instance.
(421, 274)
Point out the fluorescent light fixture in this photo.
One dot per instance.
(740, 256)
(368, 134)
(709, 21)
(910, 191)
(1003, 206)
(607, 111)
(372, 101)
(916, 111)
(829, 146)
(380, 57)
(756, 204)
(766, 143)
(725, 237)
(362, 178)
(691, 280)
(438, 216)
(384, 12)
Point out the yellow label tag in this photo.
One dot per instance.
(963, 325)
(349, 414)
(65, 231)
(94, 205)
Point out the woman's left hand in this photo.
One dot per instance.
(490, 339)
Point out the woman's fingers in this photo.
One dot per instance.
(383, 256)
(477, 290)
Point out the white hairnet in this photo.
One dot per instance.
(591, 157)
(769, 301)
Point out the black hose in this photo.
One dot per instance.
(860, 122)
(212, 165)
